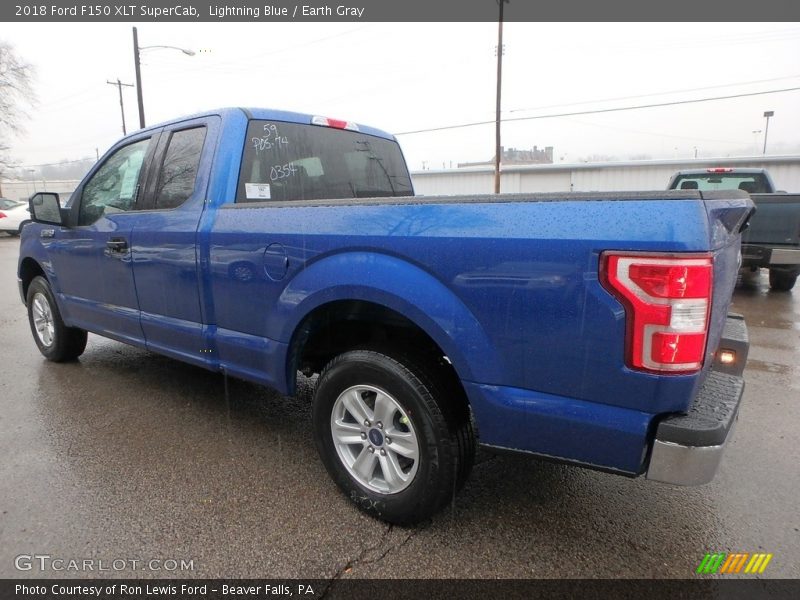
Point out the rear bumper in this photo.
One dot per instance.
(765, 256)
(688, 447)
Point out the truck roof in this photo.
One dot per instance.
(268, 114)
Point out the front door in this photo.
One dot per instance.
(93, 259)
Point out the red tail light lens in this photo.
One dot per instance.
(335, 123)
(2, 215)
(667, 301)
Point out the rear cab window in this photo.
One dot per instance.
(752, 183)
(294, 162)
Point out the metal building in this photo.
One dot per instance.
(22, 190)
(593, 177)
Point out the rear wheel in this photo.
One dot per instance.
(781, 281)
(390, 435)
(55, 340)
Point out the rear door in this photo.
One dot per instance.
(165, 262)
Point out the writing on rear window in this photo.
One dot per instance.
(270, 138)
(307, 162)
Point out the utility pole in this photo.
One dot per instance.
(497, 148)
(138, 77)
(138, 69)
(119, 85)
(767, 114)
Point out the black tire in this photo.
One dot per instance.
(439, 423)
(781, 281)
(65, 343)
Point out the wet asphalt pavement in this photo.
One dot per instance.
(129, 455)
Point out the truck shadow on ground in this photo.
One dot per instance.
(194, 465)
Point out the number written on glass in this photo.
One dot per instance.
(271, 138)
(278, 172)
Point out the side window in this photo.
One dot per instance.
(115, 185)
(178, 172)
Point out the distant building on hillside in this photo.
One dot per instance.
(513, 156)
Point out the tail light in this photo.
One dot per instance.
(719, 170)
(667, 301)
(2, 215)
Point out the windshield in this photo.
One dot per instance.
(289, 161)
(752, 183)
(6, 204)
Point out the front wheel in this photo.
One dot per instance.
(390, 435)
(55, 340)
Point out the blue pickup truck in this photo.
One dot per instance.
(591, 328)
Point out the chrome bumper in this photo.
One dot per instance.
(688, 448)
(684, 465)
(784, 256)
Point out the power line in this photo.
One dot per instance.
(654, 133)
(601, 110)
(699, 89)
(550, 116)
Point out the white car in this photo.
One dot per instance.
(13, 216)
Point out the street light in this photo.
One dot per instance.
(767, 114)
(136, 49)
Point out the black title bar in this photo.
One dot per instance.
(397, 589)
(395, 10)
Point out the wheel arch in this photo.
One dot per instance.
(29, 269)
(366, 288)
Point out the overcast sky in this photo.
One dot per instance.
(403, 77)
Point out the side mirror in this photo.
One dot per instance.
(46, 208)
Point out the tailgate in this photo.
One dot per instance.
(728, 212)
(777, 220)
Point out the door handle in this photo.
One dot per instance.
(117, 244)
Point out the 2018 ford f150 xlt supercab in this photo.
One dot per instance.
(591, 328)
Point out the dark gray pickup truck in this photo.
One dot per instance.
(773, 238)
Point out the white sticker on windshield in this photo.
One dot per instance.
(257, 191)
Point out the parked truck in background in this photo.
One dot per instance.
(590, 328)
(772, 241)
